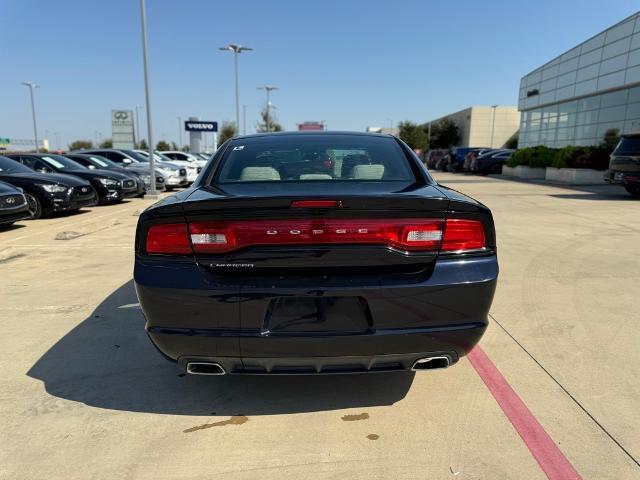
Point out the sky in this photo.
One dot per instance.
(350, 63)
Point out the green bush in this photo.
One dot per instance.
(535, 157)
(596, 158)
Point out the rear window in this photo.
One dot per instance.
(328, 158)
(628, 145)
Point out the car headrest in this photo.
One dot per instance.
(315, 176)
(258, 174)
(368, 172)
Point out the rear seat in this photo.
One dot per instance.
(368, 172)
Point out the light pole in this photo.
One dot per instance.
(268, 89)
(152, 171)
(236, 49)
(244, 119)
(493, 122)
(31, 86)
(179, 133)
(137, 135)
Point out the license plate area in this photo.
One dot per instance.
(317, 316)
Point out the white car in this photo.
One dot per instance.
(191, 169)
(186, 160)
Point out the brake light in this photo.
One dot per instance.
(461, 235)
(168, 239)
(316, 204)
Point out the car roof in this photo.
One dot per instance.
(323, 133)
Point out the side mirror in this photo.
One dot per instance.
(126, 161)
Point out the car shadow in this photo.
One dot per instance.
(107, 361)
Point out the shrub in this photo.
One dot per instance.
(596, 158)
(535, 157)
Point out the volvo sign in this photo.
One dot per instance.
(200, 126)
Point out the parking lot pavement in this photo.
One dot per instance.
(84, 394)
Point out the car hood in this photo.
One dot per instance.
(37, 177)
(7, 188)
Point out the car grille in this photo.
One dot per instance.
(12, 200)
(183, 171)
(81, 192)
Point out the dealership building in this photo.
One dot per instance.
(578, 96)
(481, 126)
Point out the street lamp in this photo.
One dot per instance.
(493, 122)
(244, 119)
(268, 89)
(152, 170)
(31, 86)
(180, 133)
(236, 49)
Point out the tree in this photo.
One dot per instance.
(186, 148)
(162, 146)
(174, 146)
(227, 131)
(513, 141)
(610, 139)
(143, 145)
(444, 134)
(80, 144)
(413, 135)
(268, 119)
(107, 143)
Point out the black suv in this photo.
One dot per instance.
(624, 165)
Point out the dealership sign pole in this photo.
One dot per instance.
(152, 170)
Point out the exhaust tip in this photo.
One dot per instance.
(431, 363)
(205, 368)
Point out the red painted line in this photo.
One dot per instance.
(552, 461)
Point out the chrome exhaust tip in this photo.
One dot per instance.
(431, 363)
(205, 368)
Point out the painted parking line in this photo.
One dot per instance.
(552, 461)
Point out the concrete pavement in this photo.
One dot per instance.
(85, 395)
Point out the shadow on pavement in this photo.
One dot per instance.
(107, 361)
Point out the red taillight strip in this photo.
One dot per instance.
(316, 204)
(415, 234)
(408, 234)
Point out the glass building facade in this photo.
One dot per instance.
(578, 96)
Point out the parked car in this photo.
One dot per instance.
(110, 186)
(192, 170)
(178, 156)
(472, 155)
(432, 157)
(172, 175)
(280, 260)
(455, 159)
(95, 161)
(13, 205)
(46, 193)
(491, 162)
(624, 165)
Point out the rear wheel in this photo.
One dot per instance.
(633, 189)
(34, 205)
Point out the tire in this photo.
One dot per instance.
(496, 168)
(633, 189)
(35, 207)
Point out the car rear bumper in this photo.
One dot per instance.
(445, 314)
(617, 177)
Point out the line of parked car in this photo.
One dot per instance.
(35, 185)
(479, 160)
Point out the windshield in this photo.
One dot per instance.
(62, 163)
(628, 145)
(326, 158)
(103, 162)
(9, 166)
(136, 156)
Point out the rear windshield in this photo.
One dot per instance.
(327, 158)
(629, 145)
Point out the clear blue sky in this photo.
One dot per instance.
(351, 63)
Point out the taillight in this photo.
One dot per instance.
(412, 234)
(218, 237)
(168, 239)
(462, 235)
